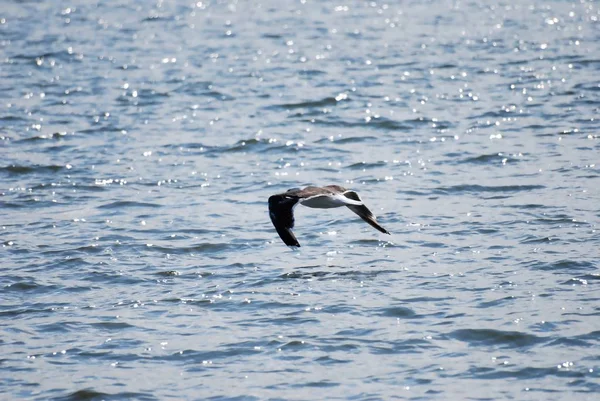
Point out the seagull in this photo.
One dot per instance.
(281, 207)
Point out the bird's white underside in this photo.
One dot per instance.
(329, 201)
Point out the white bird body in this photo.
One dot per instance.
(328, 201)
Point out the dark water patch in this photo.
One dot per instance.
(435, 245)
(332, 121)
(256, 145)
(309, 104)
(592, 87)
(317, 384)
(93, 395)
(128, 204)
(565, 265)
(496, 302)
(340, 344)
(42, 59)
(112, 278)
(478, 189)
(486, 231)
(571, 342)
(528, 206)
(15, 170)
(30, 309)
(11, 205)
(112, 326)
(354, 332)
(30, 287)
(195, 231)
(15, 118)
(193, 148)
(44, 137)
(59, 327)
(365, 165)
(203, 89)
(271, 35)
(387, 124)
(202, 300)
(145, 98)
(489, 115)
(422, 122)
(233, 398)
(311, 72)
(202, 248)
(296, 320)
(399, 312)
(67, 260)
(331, 361)
(593, 336)
(558, 219)
(403, 64)
(499, 338)
(532, 239)
(496, 159)
(157, 18)
(582, 314)
(521, 374)
(574, 281)
(425, 299)
(226, 352)
(411, 346)
(366, 242)
(348, 140)
(248, 145)
(168, 273)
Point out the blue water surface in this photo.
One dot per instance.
(140, 141)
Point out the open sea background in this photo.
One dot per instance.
(140, 141)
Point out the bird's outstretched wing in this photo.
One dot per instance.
(363, 212)
(281, 211)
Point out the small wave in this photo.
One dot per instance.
(112, 325)
(387, 124)
(496, 302)
(203, 89)
(128, 204)
(504, 339)
(348, 139)
(531, 239)
(206, 247)
(27, 310)
(156, 18)
(488, 159)
(528, 206)
(564, 265)
(23, 286)
(90, 395)
(309, 104)
(44, 137)
(473, 188)
(311, 72)
(399, 312)
(19, 169)
(260, 146)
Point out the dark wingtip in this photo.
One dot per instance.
(293, 242)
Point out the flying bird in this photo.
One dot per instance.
(281, 207)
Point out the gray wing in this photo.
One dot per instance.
(281, 211)
(363, 212)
